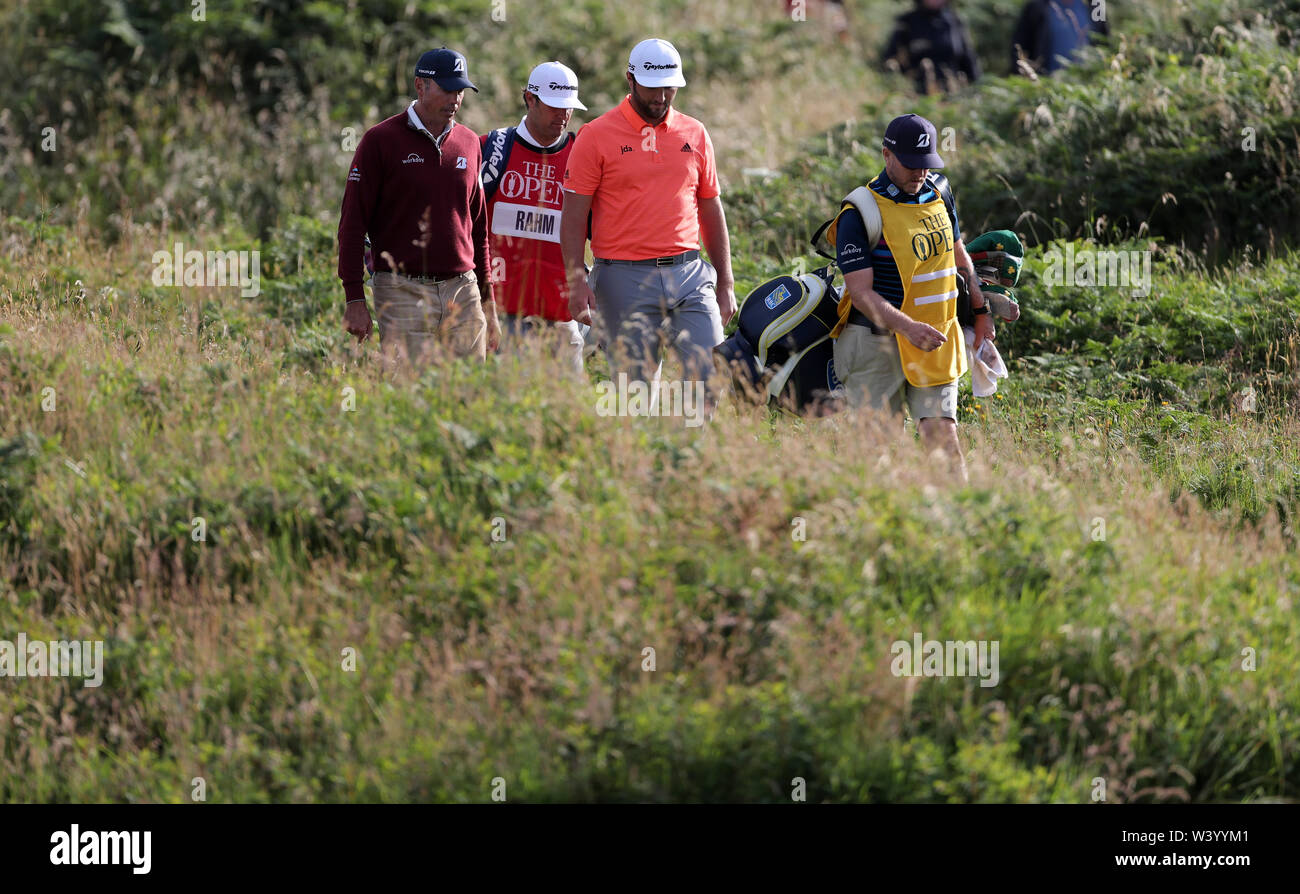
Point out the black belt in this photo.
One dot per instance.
(858, 318)
(670, 261)
(432, 277)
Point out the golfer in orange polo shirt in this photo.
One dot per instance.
(646, 174)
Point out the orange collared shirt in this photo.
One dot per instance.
(646, 182)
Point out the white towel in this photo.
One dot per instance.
(986, 367)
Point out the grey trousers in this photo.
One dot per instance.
(643, 309)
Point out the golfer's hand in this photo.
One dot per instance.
(357, 320)
(924, 336)
(727, 302)
(581, 300)
(493, 326)
(983, 329)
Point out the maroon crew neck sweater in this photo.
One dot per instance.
(422, 207)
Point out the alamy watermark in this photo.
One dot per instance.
(53, 658)
(951, 658)
(91, 848)
(214, 268)
(1090, 268)
(661, 398)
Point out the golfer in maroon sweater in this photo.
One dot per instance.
(414, 188)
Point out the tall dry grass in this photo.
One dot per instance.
(523, 659)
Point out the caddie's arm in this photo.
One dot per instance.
(885, 315)
(713, 231)
(573, 247)
(983, 321)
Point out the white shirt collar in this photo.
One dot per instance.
(419, 125)
(522, 132)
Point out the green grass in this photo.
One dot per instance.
(372, 530)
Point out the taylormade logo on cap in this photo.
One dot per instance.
(656, 63)
(555, 84)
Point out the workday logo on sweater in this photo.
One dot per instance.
(412, 159)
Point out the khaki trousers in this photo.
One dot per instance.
(871, 371)
(420, 319)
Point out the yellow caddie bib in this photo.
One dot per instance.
(920, 238)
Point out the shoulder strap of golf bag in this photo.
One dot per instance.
(498, 146)
(939, 183)
(860, 199)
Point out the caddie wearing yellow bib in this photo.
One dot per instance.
(898, 244)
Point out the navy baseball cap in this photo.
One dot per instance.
(913, 139)
(447, 68)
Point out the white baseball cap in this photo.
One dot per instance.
(555, 84)
(656, 63)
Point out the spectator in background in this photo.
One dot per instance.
(931, 45)
(1050, 33)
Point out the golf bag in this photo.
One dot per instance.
(782, 349)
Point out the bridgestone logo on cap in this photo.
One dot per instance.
(650, 66)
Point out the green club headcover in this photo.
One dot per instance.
(998, 255)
